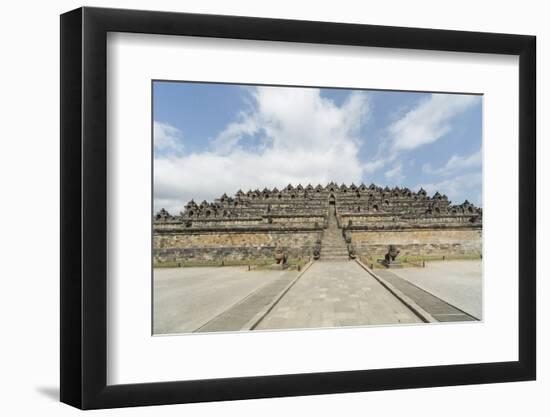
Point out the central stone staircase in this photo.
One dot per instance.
(333, 245)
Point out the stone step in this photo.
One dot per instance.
(334, 258)
(334, 253)
(333, 245)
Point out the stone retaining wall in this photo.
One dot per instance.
(217, 246)
(414, 242)
(389, 219)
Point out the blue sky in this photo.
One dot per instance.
(216, 138)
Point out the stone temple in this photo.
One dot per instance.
(332, 222)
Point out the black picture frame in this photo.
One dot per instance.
(84, 207)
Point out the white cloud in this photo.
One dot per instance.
(229, 138)
(454, 164)
(305, 138)
(395, 174)
(458, 188)
(373, 166)
(429, 121)
(167, 138)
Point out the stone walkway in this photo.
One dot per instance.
(335, 294)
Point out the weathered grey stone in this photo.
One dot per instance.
(252, 224)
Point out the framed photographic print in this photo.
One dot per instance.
(258, 208)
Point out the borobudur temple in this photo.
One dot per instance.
(332, 222)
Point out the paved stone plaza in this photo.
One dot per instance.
(327, 294)
(187, 298)
(457, 282)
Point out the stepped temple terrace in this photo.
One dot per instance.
(316, 256)
(332, 222)
(293, 255)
